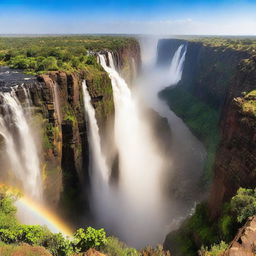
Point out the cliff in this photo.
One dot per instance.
(213, 76)
(236, 158)
(216, 99)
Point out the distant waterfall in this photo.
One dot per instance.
(56, 101)
(176, 67)
(139, 204)
(20, 145)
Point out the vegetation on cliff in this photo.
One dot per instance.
(236, 43)
(211, 236)
(37, 55)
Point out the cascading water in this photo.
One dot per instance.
(56, 102)
(186, 152)
(139, 205)
(99, 171)
(20, 146)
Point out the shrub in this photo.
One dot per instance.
(50, 63)
(244, 204)
(89, 238)
(158, 251)
(58, 245)
(216, 250)
(114, 247)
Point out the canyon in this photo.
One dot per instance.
(211, 159)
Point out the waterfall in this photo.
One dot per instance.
(186, 151)
(98, 160)
(139, 204)
(28, 101)
(20, 145)
(99, 171)
(56, 102)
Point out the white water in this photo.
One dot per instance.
(56, 102)
(187, 152)
(140, 210)
(99, 171)
(20, 146)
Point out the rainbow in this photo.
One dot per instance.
(33, 213)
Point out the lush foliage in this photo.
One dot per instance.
(215, 250)
(42, 54)
(244, 204)
(199, 230)
(249, 103)
(34, 239)
(91, 238)
(114, 247)
(236, 43)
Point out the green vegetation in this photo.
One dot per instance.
(235, 43)
(200, 231)
(249, 103)
(200, 118)
(34, 240)
(244, 204)
(38, 55)
(114, 247)
(215, 250)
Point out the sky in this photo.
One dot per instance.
(161, 17)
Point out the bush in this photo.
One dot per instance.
(244, 204)
(114, 247)
(158, 251)
(50, 64)
(216, 250)
(7, 211)
(58, 245)
(89, 238)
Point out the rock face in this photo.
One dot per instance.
(217, 77)
(236, 158)
(244, 244)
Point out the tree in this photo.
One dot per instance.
(50, 63)
(244, 203)
(89, 238)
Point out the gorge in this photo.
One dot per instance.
(128, 142)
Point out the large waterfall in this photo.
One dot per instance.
(20, 146)
(137, 208)
(186, 151)
(140, 203)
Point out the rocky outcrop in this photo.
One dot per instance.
(244, 244)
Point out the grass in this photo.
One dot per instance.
(22, 250)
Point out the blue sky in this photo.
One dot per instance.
(129, 16)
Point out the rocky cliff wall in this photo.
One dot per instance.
(213, 81)
(236, 158)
